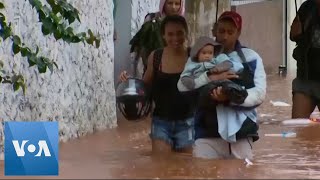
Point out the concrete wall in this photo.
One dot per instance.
(80, 94)
(201, 15)
(263, 31)
(123, 29)
(140, 8)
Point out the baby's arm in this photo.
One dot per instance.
(224, 62)
(187, 77)
(222, 67)
(188, 80)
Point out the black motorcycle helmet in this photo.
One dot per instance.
(133, 99)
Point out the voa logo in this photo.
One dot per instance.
(31, 148)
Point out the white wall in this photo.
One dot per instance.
(80, 94)
(201, 15)
(140, 8)
(123, 29)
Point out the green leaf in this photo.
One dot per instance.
(36, 4)
(75, 39)
(45, 30)
(6, 32)
(98, 43)
(76, 12)
(15, 48)
(16, 86)
(90, 33)
(47, 22)
(51, 2)
(57, 34)
(16, 40)
(89, 41)
(69, 30)
(47, 26)
(67, 38)
(25, 52)
(56, 19)
(42, 67)
(2, 18)
(1, 5)
(37, 50)
(32, 60)
(56, 9)
(71, 19)
(1, 64)
(42, 15)
(91, 37)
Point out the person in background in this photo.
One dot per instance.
(167, 8)
(148, 38)
(305, 31)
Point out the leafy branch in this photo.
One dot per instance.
(54, 21)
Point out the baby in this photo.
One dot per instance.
(206, 56)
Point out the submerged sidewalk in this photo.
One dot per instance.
(125, 152)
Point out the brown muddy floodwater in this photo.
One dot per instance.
(125, 152)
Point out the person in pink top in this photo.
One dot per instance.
(143, 49)
(167, 8)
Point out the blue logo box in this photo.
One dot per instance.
(31, 148)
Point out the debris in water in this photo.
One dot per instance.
(279, 104)
(297, 122)
(266, 115)
(284, 134)
(248, 162)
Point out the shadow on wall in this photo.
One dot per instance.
(201, 15)
(263, 31)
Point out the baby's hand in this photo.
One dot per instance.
(222, 67)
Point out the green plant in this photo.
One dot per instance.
(147, 39)
(56, 17)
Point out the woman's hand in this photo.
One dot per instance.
(218, 95)
(123, 76)
(223, 76)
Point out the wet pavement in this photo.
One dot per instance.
(125, 152)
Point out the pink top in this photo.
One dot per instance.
(161, 8)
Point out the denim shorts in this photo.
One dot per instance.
(179, 134)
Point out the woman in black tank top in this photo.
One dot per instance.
(172, 119)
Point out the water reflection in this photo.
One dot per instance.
(125, 152)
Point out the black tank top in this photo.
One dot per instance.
(170, 103)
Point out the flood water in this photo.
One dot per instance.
(125, 152)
